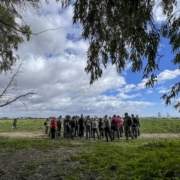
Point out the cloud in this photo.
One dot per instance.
(158, 14)
(164, 76)
(168, 75)
(162, 90)
(63, 87)
(53, 67)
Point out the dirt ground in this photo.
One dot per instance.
(22, 134)
(33, 164)
(41, 135)
(161, 135)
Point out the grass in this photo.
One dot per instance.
(134, 159)
(160, 125)
(147, 125)
(141, 159)
(28, 125)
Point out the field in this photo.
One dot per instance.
(37, 157)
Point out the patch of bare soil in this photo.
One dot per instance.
(22, 134)
(161, 135)
(41, 135)
(37, 165)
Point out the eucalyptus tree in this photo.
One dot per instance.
(120, 32)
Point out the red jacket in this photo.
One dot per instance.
(114, 121)
(119, 122)
(53, 123)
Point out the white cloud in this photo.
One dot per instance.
(158, 14)
(168, 75)
(163, 91)
(53, 67)
(164, 76)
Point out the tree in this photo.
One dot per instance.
(11, 34)
(124, 31)
(119, 31)
(5, 97)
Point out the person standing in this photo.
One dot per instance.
(88, 127)
(76, 126)
(107, 128)
(81, 126)
(121, 122)
(134, 126)
(53, 127)
(14, 125)
(101, 128)
(46, 126)
(72, 127)
(114, 127)
(67, 127)
(95, 128)
(127, 125)
(59, 126)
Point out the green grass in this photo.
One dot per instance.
(160, 125)
(131, 160)
(147, 125)
(13, 144)
(27, 125)
(134, 159)
(141, 159)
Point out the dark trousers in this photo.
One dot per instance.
(81, 131)
(101, 131)
(108, 134)
(53, 133)
(128, 132)
(134, 131)
(115, 130)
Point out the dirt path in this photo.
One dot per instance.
(161, 135)
(41, 135)
(22, 134)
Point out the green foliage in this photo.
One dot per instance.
(122, 32)
(11, 32)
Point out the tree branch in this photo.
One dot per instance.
(11, 81)
(16, 98)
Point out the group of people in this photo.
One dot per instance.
(93, 127)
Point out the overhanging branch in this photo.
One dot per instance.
(16, 98)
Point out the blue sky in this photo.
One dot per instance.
(53, 67)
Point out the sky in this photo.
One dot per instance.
(53, 67)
